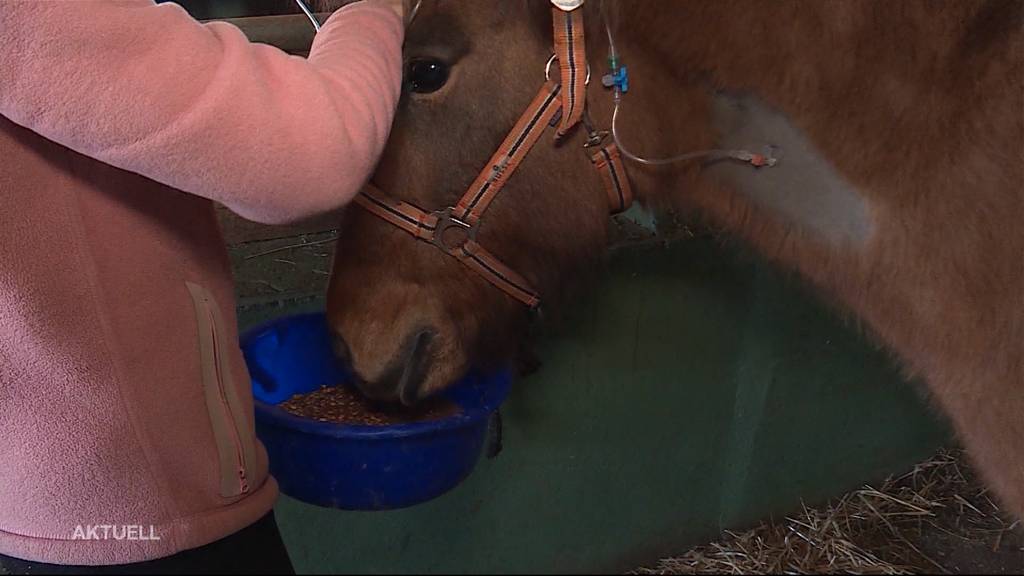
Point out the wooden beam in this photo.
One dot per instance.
(292, 33)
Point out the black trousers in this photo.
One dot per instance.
(257, 549)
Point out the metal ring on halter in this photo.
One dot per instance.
(445, 221)
(547, 69)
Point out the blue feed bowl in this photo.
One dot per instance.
(357, 467)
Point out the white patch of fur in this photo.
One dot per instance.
(803, 189)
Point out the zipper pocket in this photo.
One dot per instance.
(234, 444)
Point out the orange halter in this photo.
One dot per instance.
(454, 229)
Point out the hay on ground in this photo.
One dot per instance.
(905, 526)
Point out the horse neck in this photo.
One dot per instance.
(949, 305)
(684, 36)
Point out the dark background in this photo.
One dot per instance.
(207, 9)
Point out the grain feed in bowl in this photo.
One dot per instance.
(344, 405)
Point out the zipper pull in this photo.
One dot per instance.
(244, 480)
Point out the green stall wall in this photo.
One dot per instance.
(696, 389)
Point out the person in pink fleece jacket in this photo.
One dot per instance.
(126, 418)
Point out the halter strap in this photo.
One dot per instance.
(571, 51)
(510, 154)
(419, 223)
(609, 165)
(479, 260)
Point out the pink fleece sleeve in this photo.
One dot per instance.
(148, 89)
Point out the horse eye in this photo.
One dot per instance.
(426, 76)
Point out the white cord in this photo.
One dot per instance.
(415, 10)
(741, 155)
(309, 14)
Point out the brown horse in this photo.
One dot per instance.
(899, 192)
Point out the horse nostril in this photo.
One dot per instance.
(414, 370)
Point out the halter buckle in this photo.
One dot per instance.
(595, 137)
(445, 222)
